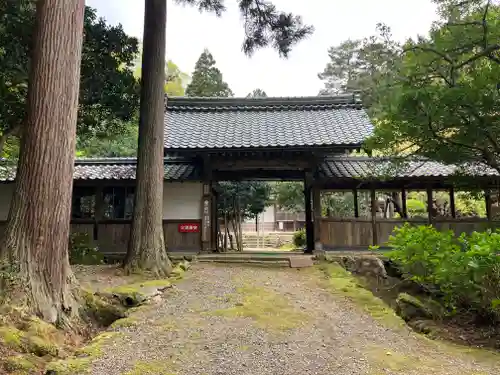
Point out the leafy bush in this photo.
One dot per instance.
(299, 238)
(463, 271)
(416, 208)
(81, 250)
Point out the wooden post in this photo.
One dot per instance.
(487, 198)
(403, 203)
(373, 200)
(206, 207)
(452, 203)
(429, 204)
(206, 217)
(356, 204)
(308, 208)
(98, 211)
(316, 196)
(214, 245)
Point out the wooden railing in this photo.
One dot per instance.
(112, 236)
(345, 233)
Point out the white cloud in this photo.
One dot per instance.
(189, 32)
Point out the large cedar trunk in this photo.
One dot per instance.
(35, 244)
(146, 249)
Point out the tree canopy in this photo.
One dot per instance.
(443, 98)
(264, 24)
(360, 65)
(109, 93)
(207, 80)
(257, 93)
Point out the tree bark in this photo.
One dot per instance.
(146, 249)
(35, 244)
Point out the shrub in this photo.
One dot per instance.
(299, 238)
(464, 271)
(81, 250)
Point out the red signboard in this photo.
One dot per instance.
(189, 228)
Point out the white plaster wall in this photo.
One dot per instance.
(6, 191)
(182, 200)
(268, 214)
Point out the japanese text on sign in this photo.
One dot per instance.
(189, 228)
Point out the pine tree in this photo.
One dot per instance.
(257, 93)
(207, 79)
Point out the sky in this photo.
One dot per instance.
(189, 32)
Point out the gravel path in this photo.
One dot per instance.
(223, 320)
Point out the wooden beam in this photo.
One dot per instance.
(404, 208)
(356, 203)
(373, 200)
(265, 164)
(452, 203)
(429, 204)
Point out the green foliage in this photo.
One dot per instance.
(109, 93)
(81, 250)
(207, 79)
(289, 195)
(463, 271)
(264, 24)
(442, 100)
(299, 238)
(113, 145)
(416, 208)
(175, 79)
(245, 198)
(257, 93)
(360, 65)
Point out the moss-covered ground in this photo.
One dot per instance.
(29, 345)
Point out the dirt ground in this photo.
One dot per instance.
(250, 320)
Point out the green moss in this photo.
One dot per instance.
(177, 272)
(20, 363)
(152, 368)
(38, 327)
(41, 347)
(11, 337)
(381, 359)
(407, 298)
(410, 307)
(69, 366)
(85, 356)
(124, 322)
(101, 310)
(94, 348)
(341, 282)
(268, 309)
(137, 287)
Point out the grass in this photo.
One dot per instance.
(341, 282)
(288, 247)
(269, 310)
(381, 360)
(151, 367)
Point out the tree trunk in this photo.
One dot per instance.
(35, 244)
(146, 249)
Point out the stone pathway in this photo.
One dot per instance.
(223, 320)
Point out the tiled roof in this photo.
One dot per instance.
(115, 169)
(230, 123)
(385, 168)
